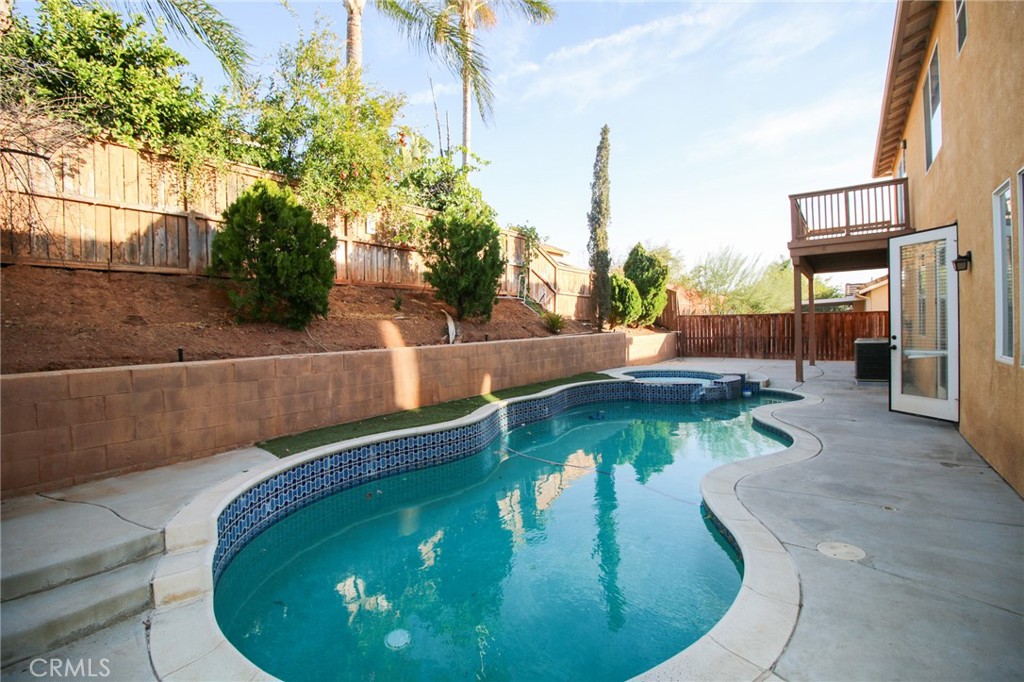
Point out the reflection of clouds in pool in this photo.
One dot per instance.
(429, 550)
(353, 590)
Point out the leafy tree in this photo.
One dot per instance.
(192, 19)
(330, 133)
(732, 283)
(281, 260)
(122, 76)
(459, 19)
(724, 279)
(597, 219)
(649, 275)
(438, 184)
(464, 261)
(124, 82)
(625, 301)
(672, 259)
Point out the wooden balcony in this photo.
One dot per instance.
(846, 229)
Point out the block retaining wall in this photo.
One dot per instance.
(67, 427)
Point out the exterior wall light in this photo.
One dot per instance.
(961, 263)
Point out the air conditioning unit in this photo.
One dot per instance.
(871, 359)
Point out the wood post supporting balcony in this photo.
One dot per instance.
(839, 230)
(799, 271)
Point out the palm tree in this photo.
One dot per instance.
(469, 14)
(430, 28)
(200, 20)
(354, 34)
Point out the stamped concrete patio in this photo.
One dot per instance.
(935, 592)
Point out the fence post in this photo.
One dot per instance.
(193, 243)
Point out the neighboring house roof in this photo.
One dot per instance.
(910, 34)
(554, 251)
(832, 302)
(854, 293)
(882, 281)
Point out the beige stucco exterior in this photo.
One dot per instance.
(982, 100)
(877, 299)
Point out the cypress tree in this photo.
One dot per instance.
(597, 218)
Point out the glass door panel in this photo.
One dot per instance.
(925, 377)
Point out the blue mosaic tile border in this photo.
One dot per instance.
(284, 493)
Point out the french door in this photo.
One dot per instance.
(924, 321)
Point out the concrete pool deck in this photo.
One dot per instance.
(938, 594)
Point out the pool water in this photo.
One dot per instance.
(572, 548)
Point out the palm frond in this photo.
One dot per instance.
(200, 20)
(534, 11)
(435, 30)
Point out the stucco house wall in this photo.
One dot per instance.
(982, 101)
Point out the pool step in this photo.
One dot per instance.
(39, 622)
(69, 569)
(48, 543)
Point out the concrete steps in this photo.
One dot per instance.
(39, 622)
(69, 570)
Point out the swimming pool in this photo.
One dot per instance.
(585, 527)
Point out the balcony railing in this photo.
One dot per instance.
(872, 210)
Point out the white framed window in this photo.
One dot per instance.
(1002, 224)
(960, 13)
(932, 111)
(1020, 257)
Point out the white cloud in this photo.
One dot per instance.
(764, 45)
(775, 130)
(441, 90)
(614, 66)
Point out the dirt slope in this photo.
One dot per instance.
(54, 318)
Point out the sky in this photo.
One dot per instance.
(717, 110)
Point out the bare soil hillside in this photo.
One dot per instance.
(54, 318)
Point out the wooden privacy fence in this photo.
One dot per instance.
(106, 206)
(770, 337)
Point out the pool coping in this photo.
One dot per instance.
(185, 641)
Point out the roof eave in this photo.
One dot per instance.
(906, 48)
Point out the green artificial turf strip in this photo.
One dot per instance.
(434, 414)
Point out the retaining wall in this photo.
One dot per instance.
(62, 428)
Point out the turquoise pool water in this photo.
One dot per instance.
(573, 548)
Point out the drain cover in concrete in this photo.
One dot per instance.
(841, 550)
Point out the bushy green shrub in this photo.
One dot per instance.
(464, 262)
(553, 322)
(649, 275)
(625, 301)
(280, 258)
